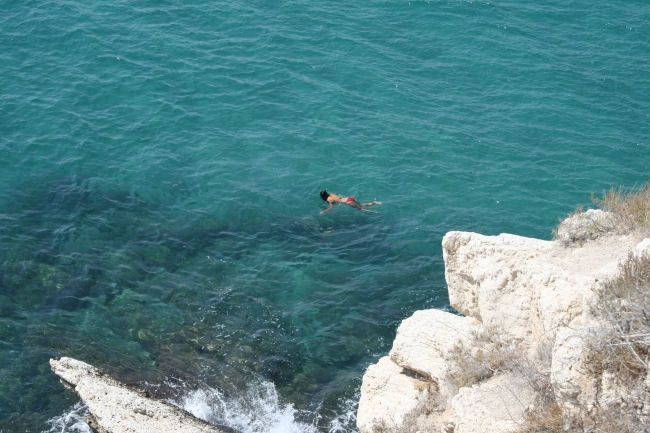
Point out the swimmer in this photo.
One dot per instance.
(331, 199)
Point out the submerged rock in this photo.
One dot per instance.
(115, 408)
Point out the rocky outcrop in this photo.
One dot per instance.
(115, 408)
(643, 248)
(583, 226)
(392, 392)
(495, 406)
(419, 350)
(572, 382)
(525, 287)
(523, 299)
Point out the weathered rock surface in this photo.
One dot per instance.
(496, 405)
(521, 292)
(643, 248)
(573, 384)
(425, 343)
(525, 287)
(584, 226)
(387, 395)
(577, 386)
(116, 409)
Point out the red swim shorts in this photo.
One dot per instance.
(350, 199)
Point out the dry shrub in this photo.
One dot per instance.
(580, 226)
(620, 352)
(551, 419)
(626, 211)
(418, 418)
(546, 414)
(624, 304)
(490, 353)
(630, 209)
(623, 353)
(543, 418)
(483, 355)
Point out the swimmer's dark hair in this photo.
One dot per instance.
(324, 194)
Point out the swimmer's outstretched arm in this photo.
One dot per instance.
(328, 209)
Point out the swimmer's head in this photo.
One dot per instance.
(324, 194)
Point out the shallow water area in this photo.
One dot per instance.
(159, 216)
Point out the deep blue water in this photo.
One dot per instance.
(161, 163)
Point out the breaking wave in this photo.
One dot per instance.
(71, 421)
(257, 410)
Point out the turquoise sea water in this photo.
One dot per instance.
(161, 163)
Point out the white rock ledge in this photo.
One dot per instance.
(528, 292)
(417, 349)
(114, 408)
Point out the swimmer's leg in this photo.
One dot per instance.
(372, 203)
(359, 206)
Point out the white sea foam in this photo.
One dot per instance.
(71, 421)
(345, 420)
(257, 410)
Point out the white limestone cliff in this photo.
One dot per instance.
(416, 349)
(391, 393)
(517, 294)
(115, 408)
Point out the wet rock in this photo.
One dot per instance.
(117, 409)
(157, 256)
(30, 283)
